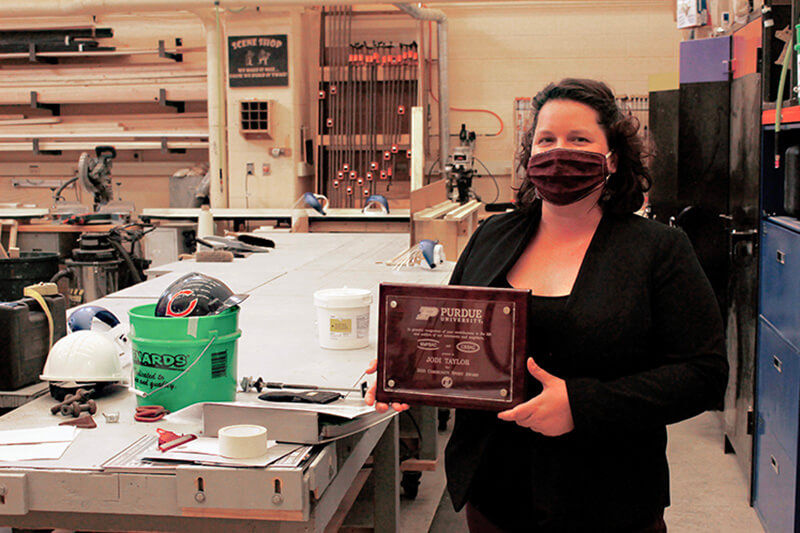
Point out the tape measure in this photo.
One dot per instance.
(38, 292)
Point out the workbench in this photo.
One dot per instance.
(279, 343)
(55, 237)
(301, 219)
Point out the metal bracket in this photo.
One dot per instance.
(162, 52)
(167, 150)
(37, 183)
(162, 100)
(37, 151)
(34, 58)
(55, 109)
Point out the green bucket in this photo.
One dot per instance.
(192, 358)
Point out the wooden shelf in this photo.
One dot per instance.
(50, 86)
(41, 126)
(100, 53)
(151, 131)
(31, 76)
(85, 145)
(131, 135)
(104, 94)
(190, 124)
(93, 94)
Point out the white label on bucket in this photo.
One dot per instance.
(362, 326)
(191, 327)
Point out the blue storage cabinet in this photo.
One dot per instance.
(778, 377)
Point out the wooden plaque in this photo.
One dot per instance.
(452, 346)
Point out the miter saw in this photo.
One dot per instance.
(94, 174)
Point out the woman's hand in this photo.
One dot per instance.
(370, 396)
(548, 413)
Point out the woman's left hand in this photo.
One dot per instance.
(548, 413)
(369, 397)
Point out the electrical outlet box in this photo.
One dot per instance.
(266, 169)
(250, 168)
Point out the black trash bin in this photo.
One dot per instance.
(27, 269)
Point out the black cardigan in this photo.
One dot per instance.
(641, 346)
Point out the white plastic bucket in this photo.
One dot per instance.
(343, 318)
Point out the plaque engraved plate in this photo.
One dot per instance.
(452, 346)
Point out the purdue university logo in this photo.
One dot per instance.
(426, 312)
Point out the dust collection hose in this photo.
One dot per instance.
(65, 273)
(779, 101)
(127, 258)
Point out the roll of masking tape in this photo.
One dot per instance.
(242, 441)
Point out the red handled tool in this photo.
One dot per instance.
(168, 440)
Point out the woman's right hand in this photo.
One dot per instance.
(370, 396)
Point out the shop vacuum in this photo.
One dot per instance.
(101, 264)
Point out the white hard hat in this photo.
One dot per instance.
(96, 318)
(85, 357)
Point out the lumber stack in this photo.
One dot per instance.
(135, 132)
(44, 103)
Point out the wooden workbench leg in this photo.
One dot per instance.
(387, 479)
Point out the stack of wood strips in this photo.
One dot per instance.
(84, 132)
(63, 40)
(78, 84)
(104, 52)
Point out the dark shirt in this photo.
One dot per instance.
(507, 452)
(639, 344)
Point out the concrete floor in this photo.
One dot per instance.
(709, 490)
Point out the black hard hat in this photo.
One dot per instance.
(196, 294)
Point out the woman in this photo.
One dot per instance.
(624, 329)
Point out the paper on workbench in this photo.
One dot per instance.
(35, 443)
(205, 450)
(38, 435)
(134, 458)
(30, 452)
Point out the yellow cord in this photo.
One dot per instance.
(37, 292)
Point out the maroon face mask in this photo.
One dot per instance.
(563, 176)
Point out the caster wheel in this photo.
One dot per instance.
(410, 484)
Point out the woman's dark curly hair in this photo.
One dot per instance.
(624, 191)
